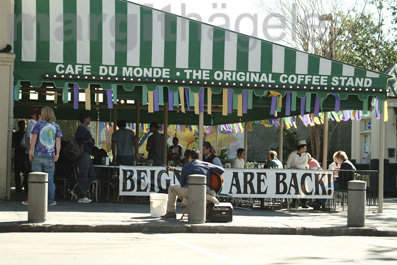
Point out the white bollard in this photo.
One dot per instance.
(38, 197)
(196, 199)
(356, 203)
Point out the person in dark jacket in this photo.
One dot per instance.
(86, 167)
(345, 171)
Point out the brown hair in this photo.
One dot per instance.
(270, 156)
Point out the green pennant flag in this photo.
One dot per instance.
(65, 90)
(17, 89)
(235, 102)
(114, 88)
(293, 101)
(176, 99)
(161, 95)
(308, 102)
(144, 95)
(250, 98)
(365, 107)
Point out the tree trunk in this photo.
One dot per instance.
(315, 140)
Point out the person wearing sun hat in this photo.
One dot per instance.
(299, 159)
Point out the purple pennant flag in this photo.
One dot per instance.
(288, 104)
(275, 122)
(75, 96)
(377, 108)
(180, 128)
(337, 102)
(294, 119)
(156, 100)
(170, 100)
(332, 117)
(317, 106)
(273, 106)
(208, 130)
(303, 105)
(201, 99)
(219, 129)
(109, 96)
(229, 101)
(245, 101)
(358, 116)
(187, 99)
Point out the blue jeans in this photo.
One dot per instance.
(85, 177)
(46, 165)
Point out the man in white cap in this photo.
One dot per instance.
(299, 159)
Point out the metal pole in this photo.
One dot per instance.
(381, 161)
(216, 138)
(138, 122)
(246, 141)
(201, 133)
(325, 141)
(281, 141)
(165, 151)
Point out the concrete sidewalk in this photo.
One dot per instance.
(134, 217)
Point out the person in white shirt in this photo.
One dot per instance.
(299, 159)
(238, 162)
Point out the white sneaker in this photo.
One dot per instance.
(84, 200)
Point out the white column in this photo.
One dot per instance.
(201, 133)
(381, 161)
(165, 153)
(6, 99)
(280, 141)
(325, 141)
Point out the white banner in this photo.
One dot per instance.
(243, 183)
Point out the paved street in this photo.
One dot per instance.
(137, 248)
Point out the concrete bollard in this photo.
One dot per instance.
(356, 203)
(38, 197)
(196, 199)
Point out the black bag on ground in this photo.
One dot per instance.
(73, 150)
(223, 212)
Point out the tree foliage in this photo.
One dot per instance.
(340, 31)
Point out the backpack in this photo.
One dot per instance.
(73, 150)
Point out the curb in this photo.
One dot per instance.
(220, 229)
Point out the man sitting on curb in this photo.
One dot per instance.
(194, 166)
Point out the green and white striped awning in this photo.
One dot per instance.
(114, 42)
(117, 39)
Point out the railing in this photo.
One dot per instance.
(371, 179)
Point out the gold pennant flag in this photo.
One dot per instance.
(240, 105)
(225, 102)
(150, 102)
(385, 112)
(182, 98)
(209, 101)
(88, 97)
(196, 103)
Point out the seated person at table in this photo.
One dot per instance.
(313, 163)
(272, 160)
(238, 162)
(346, 170)
(298, 159)
(186, 157)
(176, 150)
(98, 155)
(194, 166)
(209, 155)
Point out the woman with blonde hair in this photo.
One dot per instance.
(272, 160)
(346, 170)
(45, 147)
